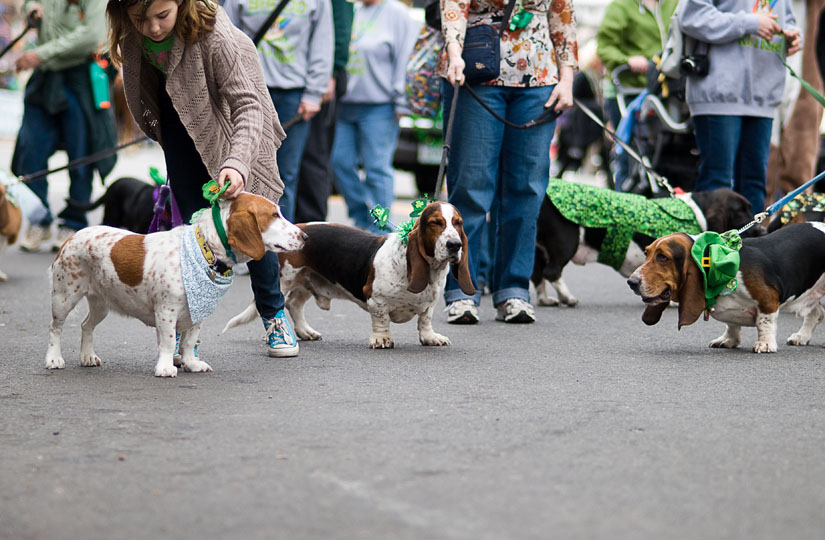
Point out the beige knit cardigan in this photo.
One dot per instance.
(217, 87)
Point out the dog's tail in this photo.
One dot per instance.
(246, 316)
(88, 206)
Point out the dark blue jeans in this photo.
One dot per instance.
(288, 156)
(40, 135)
(733, 152)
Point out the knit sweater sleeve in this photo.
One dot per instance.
(236, 70)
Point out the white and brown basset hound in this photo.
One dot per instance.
(392, 281)
(11, 217)
(784, 269)
(142, 276)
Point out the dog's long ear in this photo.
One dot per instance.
(653, 313)
(4, 208)
(418, 271)
(244, 234)
(461, 270)
(691, 294)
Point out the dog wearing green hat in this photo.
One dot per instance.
(741, 282)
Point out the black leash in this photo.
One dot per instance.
(549, 115)
(31, 22)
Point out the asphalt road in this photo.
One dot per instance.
(586, 424)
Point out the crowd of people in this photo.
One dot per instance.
(284, 98)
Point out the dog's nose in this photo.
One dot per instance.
(453, 245)
(633, 282)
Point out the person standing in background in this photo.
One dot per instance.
(296, 54)
(733, 105)
(383, 36)
(315, 177)
(59, 109)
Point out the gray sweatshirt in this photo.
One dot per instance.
(746, 75)
(297, 50)
(383, 36)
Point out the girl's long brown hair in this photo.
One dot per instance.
(195, 19)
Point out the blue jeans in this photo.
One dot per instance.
(40, 135)
(288, 156)
(733, 152)
(491, 163)
(366, 136)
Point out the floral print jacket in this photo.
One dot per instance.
(530, 56)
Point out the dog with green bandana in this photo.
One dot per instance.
(583, 223)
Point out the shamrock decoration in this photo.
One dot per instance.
(405, 229)
(155, 175)
(381, 215)
(211, 191)
(418, 205)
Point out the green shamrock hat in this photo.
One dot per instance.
(717, 256)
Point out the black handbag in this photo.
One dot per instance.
(482, 49)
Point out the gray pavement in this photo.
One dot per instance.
(587, 424)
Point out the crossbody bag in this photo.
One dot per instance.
(482, 49)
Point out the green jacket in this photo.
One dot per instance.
(70, 32)
(342, 15)
(629, 28)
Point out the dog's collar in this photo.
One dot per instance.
(216, 217)
(700, 216)
(214, 263)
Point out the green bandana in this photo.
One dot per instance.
(717, 256)
(621, 215)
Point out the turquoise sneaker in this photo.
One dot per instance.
(280, 339)
(176, 357)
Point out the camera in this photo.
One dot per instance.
(695, 64)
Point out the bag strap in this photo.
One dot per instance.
(268, 23)
(506, 20)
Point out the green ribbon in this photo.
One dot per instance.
(155, 175)
(211, 192)
(717, 256)
(806, 85)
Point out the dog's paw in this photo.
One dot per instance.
(797, 339)
(89, 360)
(570, 301)
(724, 342)
(55, 362)
(3, 276)
(764, 347)
(166, 371)
(197, 366)
(307, 333)
(381, 342)
(433, 339)
(548, 301)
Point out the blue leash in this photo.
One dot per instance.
(772, 209)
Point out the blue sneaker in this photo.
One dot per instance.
(280, 339)
(176, 357)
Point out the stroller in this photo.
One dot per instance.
(658, 126)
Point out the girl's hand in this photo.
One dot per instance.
(562, 94)
(794, 41)
(455, 70)
(236, 183)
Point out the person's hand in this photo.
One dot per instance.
(307, 110)
(330, 93)
(794, 41)
(562, 95)
(236, 184)
(28, 60)
(768, 26)
(638, 64)
(35, 12)
(455, 69)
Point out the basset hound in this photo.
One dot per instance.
(784, 269)
(11, 217)
(152, 277)
(392, 281)
(560, 240)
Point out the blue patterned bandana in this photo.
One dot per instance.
(204, 287)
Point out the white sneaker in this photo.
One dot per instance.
(515, 310)
(462, 311)
(34, 237)
(63, 234)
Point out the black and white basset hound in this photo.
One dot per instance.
(391, 280)
(784, 269)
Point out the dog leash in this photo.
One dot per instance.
(772, 209)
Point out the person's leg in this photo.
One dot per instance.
(472, 171)
(315, 177)
(75, 140)
(717, 138)
(292, 148)
(525, 172)
(345, 164)
(378, 137)
(265, 277)
(36, 142)
(751, 169)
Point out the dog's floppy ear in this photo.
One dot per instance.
(461, 269)
(418, 271)
(691, 294)
(244, 234)
(653, 313)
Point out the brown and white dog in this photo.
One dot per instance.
(392, 281)
(141, 276)
(784, 269)
(11, 218)
(559, 240)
